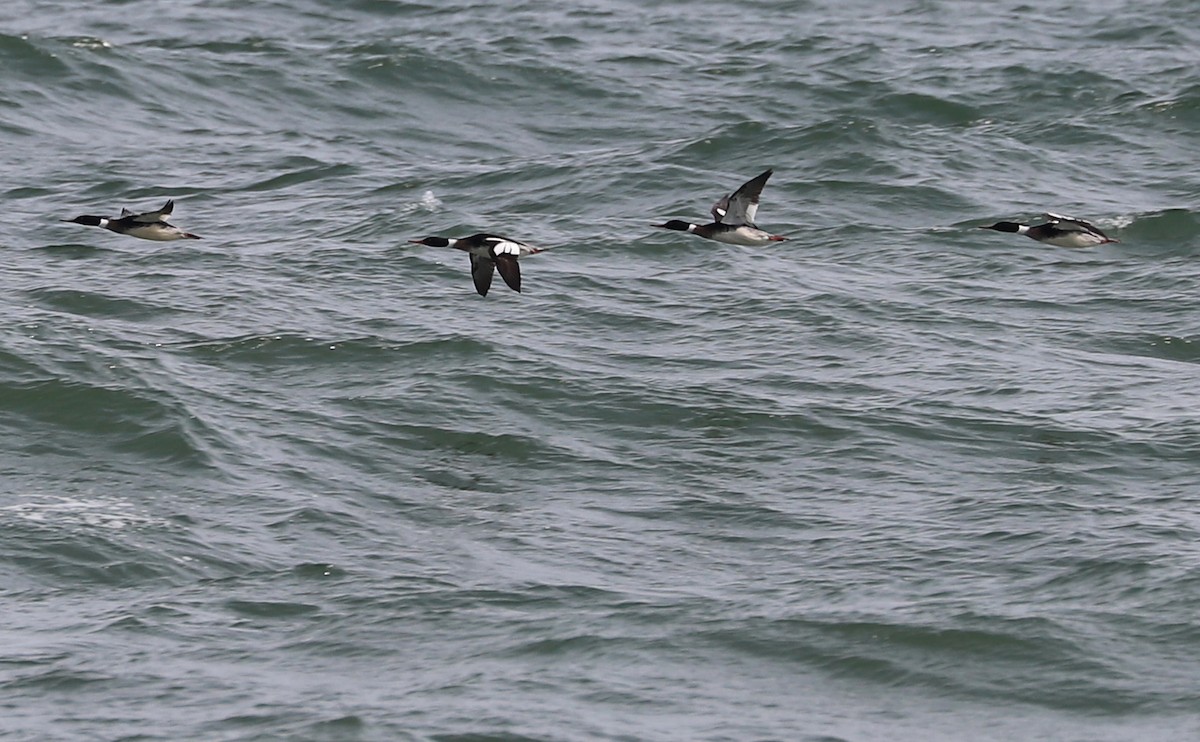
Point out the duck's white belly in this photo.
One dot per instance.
(1075, 239)
(157, 232)
(744, 236)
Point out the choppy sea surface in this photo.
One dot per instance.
(897, 478)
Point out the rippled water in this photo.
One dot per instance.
(897, 478)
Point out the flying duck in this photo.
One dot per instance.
(151, 225)
(1061, 231)
(733, 218)
(488, 253)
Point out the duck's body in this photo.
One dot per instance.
(488, 253)
(1059, 230)
(733, 218)
(151, 225)
(746, 235)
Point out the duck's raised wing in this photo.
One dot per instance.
(741, 206)
(152, 216)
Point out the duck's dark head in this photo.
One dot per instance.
(1004, 227)
(91, 221)
(675, 224)
(432, 241)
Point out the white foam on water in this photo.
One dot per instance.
(59, 511)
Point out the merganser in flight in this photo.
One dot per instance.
(1061, 231)
(151, 225)
(733, 218)
(488, 253)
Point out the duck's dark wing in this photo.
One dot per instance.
(151, 216)
(741, 206)
(720, 208)
(1071, 224)
(510, 270)
(481, 272)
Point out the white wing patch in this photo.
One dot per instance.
(505, 247)
(511, 247)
